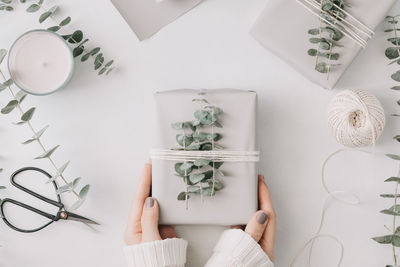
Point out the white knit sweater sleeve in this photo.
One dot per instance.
(159, 253)
(236, 248)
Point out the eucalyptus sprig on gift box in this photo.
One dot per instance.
(200, 176)
(75, 39)
(393, 238)
(326, 37)
(392, 52)
(15, 104)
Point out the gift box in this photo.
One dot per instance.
(283, 29)
(147, 17)
(181, 113)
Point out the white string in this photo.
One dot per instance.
(347, 25)
(334, 195)
(212, 155)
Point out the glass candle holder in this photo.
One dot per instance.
(40, 62)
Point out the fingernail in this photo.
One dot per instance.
(261, 217)
(149, 203)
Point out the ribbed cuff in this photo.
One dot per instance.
(236, 248)
(168, 252)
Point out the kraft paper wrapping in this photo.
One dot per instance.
(283, 25)
(147, 17)
(237, 201)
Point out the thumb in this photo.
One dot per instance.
(149, 221)
(256, 225)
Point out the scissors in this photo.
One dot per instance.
(62, 213)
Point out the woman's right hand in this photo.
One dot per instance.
(262, 225)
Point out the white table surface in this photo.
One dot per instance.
(103, 125)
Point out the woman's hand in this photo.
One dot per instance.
(143, 218)
(262, 225)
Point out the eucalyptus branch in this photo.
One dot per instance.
(328, 36)
(26, 117)
(200, 176)
(75, 39)
(393, 239)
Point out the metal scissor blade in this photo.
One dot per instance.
(76, 217)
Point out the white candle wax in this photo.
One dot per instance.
(40, 62)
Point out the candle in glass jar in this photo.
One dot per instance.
(40, 62)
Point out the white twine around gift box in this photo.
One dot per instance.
(212, 155)
(356, 119)
(354, 29)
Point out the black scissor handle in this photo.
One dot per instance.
(58, 203)
(25, 206)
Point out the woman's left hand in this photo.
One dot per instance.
(143, 218)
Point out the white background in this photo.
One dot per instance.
(103, 125)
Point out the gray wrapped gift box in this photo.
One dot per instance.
(237, 201)
(147, 17)
(289, 38)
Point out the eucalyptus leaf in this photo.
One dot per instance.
(9, 82)
(65, 21)
(186, 166)
(201, 162)
(394, 40)
(390, 212)
(102, 71)
(393, 179)
(75, 182)
(395, 88)
(59, 172)
(10, 107)
(77, 51)
(208, 192)
(396, 76)
(77, 204)
(393, 156)
(54, 28)
(20, 96)
(392, 52)
(184, 140)
(65, 188)
(217, 124)
(6, 1)
(44, 16)
(33, 8)
(216, 165)
(94, 51)
(109, 70)
(183, 196)
(27, 116)
(76, 37)
(84, 191)
(2, 187)
(85, 57)
(3, 54)
(177, 125)
(47, 153)
(109, 63)
(322, 67)
(389, 195)
(196, 177)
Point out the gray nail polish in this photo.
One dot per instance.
(149, 203)
(261, 217)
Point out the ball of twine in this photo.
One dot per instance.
(356, 118)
